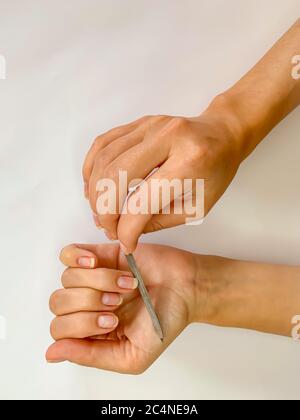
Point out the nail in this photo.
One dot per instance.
(111, 299)
(127, 282)
(96, 221)
(124, 249)
(107, 321)
(55, 361)
(87, 262)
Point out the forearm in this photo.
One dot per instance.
(265, 95)
(248, 295)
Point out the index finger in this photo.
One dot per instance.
(100, 143)
(90, 256)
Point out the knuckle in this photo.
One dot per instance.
(196, 150)
(64, 254)
(67, 252)
(179, 123)
(85, 170)
(103, 158)
(108, 221)
(102, 272)
(114, 132)
(55, 301)
(99, 139)
(137, 369)
(80, 330)
(145, 118)
(158, 118)
(93, 201)
(53, 329)
(67, 276)
(102, 139)
(110, 172)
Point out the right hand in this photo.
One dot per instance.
(206, 147)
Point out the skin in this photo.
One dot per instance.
(210, 146)
(185, 288)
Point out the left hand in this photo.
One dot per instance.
(129, 344)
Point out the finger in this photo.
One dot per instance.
(132, 222)
(90, 255)
(74, 256)
(68, 301)
(101, 354)
(104, 158)
(138, 162)
(102, 279)
(100, 143)
(83, 324)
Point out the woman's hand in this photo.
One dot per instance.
(209, 147)
(204, 148)
(101, 320)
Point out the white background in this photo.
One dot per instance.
(76, 68)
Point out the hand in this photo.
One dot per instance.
(209, 147)
(205, 147)
(91, 291)
(184, 287)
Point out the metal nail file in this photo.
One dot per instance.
(145, 295)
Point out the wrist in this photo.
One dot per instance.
(221, 298)
(225, 110)
(247, 295)
(244, 125)
(211, 292)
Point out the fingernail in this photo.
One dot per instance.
(96, 221)
(124, 249)
(111, 299)
(87, 262)
(109, 235)
(127, 282)
(107, 321)
(86, 190)
(55, 361)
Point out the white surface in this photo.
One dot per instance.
(77, 68)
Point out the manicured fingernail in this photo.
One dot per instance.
(127, 282)
(87, 262)
(109, 235)
(111, 299)
(124, 249)
(107, 321)
(55, 361)
(86, 190)
(96, 221)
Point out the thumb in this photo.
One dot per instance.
(141, 205)
(91, 353)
